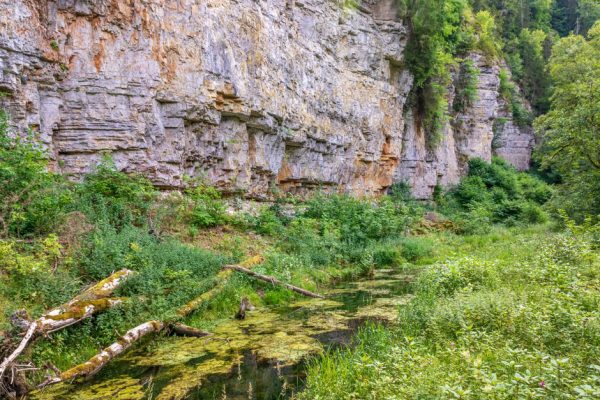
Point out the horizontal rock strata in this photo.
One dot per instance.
(248, 95)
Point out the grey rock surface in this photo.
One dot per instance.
(248, 95)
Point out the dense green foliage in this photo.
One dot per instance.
(79, 233)
(516, 317)
(495, 193)
(471, 314)
(32, 198)
(570, 131)
(333, 230)
(509, 313)
(519, 31)
(112, 220)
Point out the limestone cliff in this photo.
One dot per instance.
(246, 94)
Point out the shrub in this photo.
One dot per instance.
(359, 221)
(270, 221)
(532, 213)
(206, 209)
(476, 221)
(400, 192)
(416, 248)
(466, 87)
(29, 274)
(495, 192)
(470, 190)
(521, 116)
(114, 197)
(33, 200)
(387, 255)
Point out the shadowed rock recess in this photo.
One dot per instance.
(250, 95)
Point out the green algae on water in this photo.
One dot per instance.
(176, 367)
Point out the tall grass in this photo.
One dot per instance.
(522, 323)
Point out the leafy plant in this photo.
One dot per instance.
(206, 208)
(569, 131)
(496, 193)
(33, 199)
(466, 87)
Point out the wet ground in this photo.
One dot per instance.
(260, 357)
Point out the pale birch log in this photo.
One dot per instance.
(96, 363)
(84, 305)
(12, 357)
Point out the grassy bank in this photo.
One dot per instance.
(513, 313)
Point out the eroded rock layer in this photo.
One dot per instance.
(249, 95)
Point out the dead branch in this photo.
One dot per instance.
(273, 281)
(12, 357)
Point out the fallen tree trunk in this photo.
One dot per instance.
(96, 363)
(273, 281)
(61, 318)
(84, 305)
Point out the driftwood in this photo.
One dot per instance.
(84, 305)
(184, 330)
(273, 281)
(96, 363)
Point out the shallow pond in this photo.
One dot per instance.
(259, 357)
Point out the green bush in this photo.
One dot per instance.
(358, 221)
(387, 255)
(33, 201)
(270, 221)
(29, 274)
(466, 87)
(414, 249)
(470, 190)
(110, 196)
(206, 208)
(495, 193)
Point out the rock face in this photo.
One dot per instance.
(249, 95)
(483, 129)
